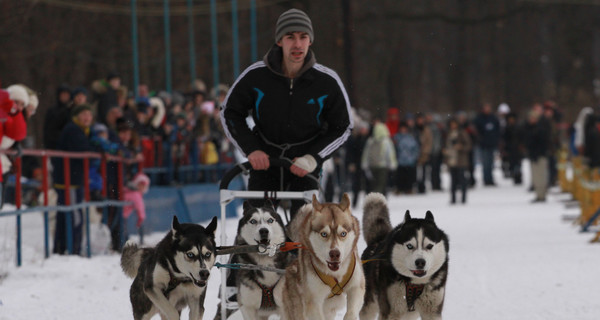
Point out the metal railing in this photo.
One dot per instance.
(68, 207)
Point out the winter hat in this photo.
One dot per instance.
(380, 131)
(33, 98)
(63, 88)
(80, 108)
(19, 93)
(143, 179)
(79, 90)
(142, 104)
(178, 98)
(99, 127)
(112, 75)
(293, 20)
(503, 108)
(392, 111)
(123, 124)
(34, 101)
(207, 107)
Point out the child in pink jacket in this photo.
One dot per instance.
(134, 192)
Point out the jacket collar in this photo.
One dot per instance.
(273, 59)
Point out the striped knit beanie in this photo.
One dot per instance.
(293, 20)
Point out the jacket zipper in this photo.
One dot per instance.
(291, 85)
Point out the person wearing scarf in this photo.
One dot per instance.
(74, 138)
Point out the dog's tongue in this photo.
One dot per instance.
(333, 266)
(418, 273)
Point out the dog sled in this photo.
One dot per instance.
(227, 196)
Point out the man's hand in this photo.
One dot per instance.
(303, 165)
(259, 160)
(298, 171)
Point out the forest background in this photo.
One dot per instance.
(417, 55)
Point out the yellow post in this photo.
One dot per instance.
(563, 164)
(595, 194)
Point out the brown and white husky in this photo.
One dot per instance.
(328, 273)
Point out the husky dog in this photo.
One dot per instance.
(173, 274)
(327, 273)
(406, 267)
(255, 288)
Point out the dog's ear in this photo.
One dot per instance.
(345, 203)
(212, 226)
(429, 216)
(269, 204)
(247, 206)
(316, 205)
(407, 216)
(175, 226)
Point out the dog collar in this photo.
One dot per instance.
(336, 287)
(413, 292)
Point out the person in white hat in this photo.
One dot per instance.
(12, 122)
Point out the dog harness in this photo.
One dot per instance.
(174, 282)
(413, 292)
(268, 301)
(336, 287)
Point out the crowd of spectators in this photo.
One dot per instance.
(404, 152)
(177, 133)
(174, 133)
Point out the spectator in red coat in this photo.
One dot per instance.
(392, 120)
(12, 122)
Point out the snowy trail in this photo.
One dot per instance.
(509, 259)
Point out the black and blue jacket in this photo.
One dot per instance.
(311, 112)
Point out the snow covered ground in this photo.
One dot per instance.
(509, 259)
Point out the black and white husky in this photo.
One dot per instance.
(172, 275)
(258, 225)
(406, 274)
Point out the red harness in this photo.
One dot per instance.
(413, 292)
(268, 301)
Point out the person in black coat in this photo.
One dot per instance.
(75, 138)
(592, 139)
(57, 117)
(354, 148)
(105, 95)
(488, 133)
(512, 147)
(537, 132)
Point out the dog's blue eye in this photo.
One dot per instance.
(270, 220)
(252, 221)
(190, 255)
(343, 234)
(410, 246)
(207, 254)
(324, 234)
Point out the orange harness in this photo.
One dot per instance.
(336, 287)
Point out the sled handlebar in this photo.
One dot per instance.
(246, 166)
